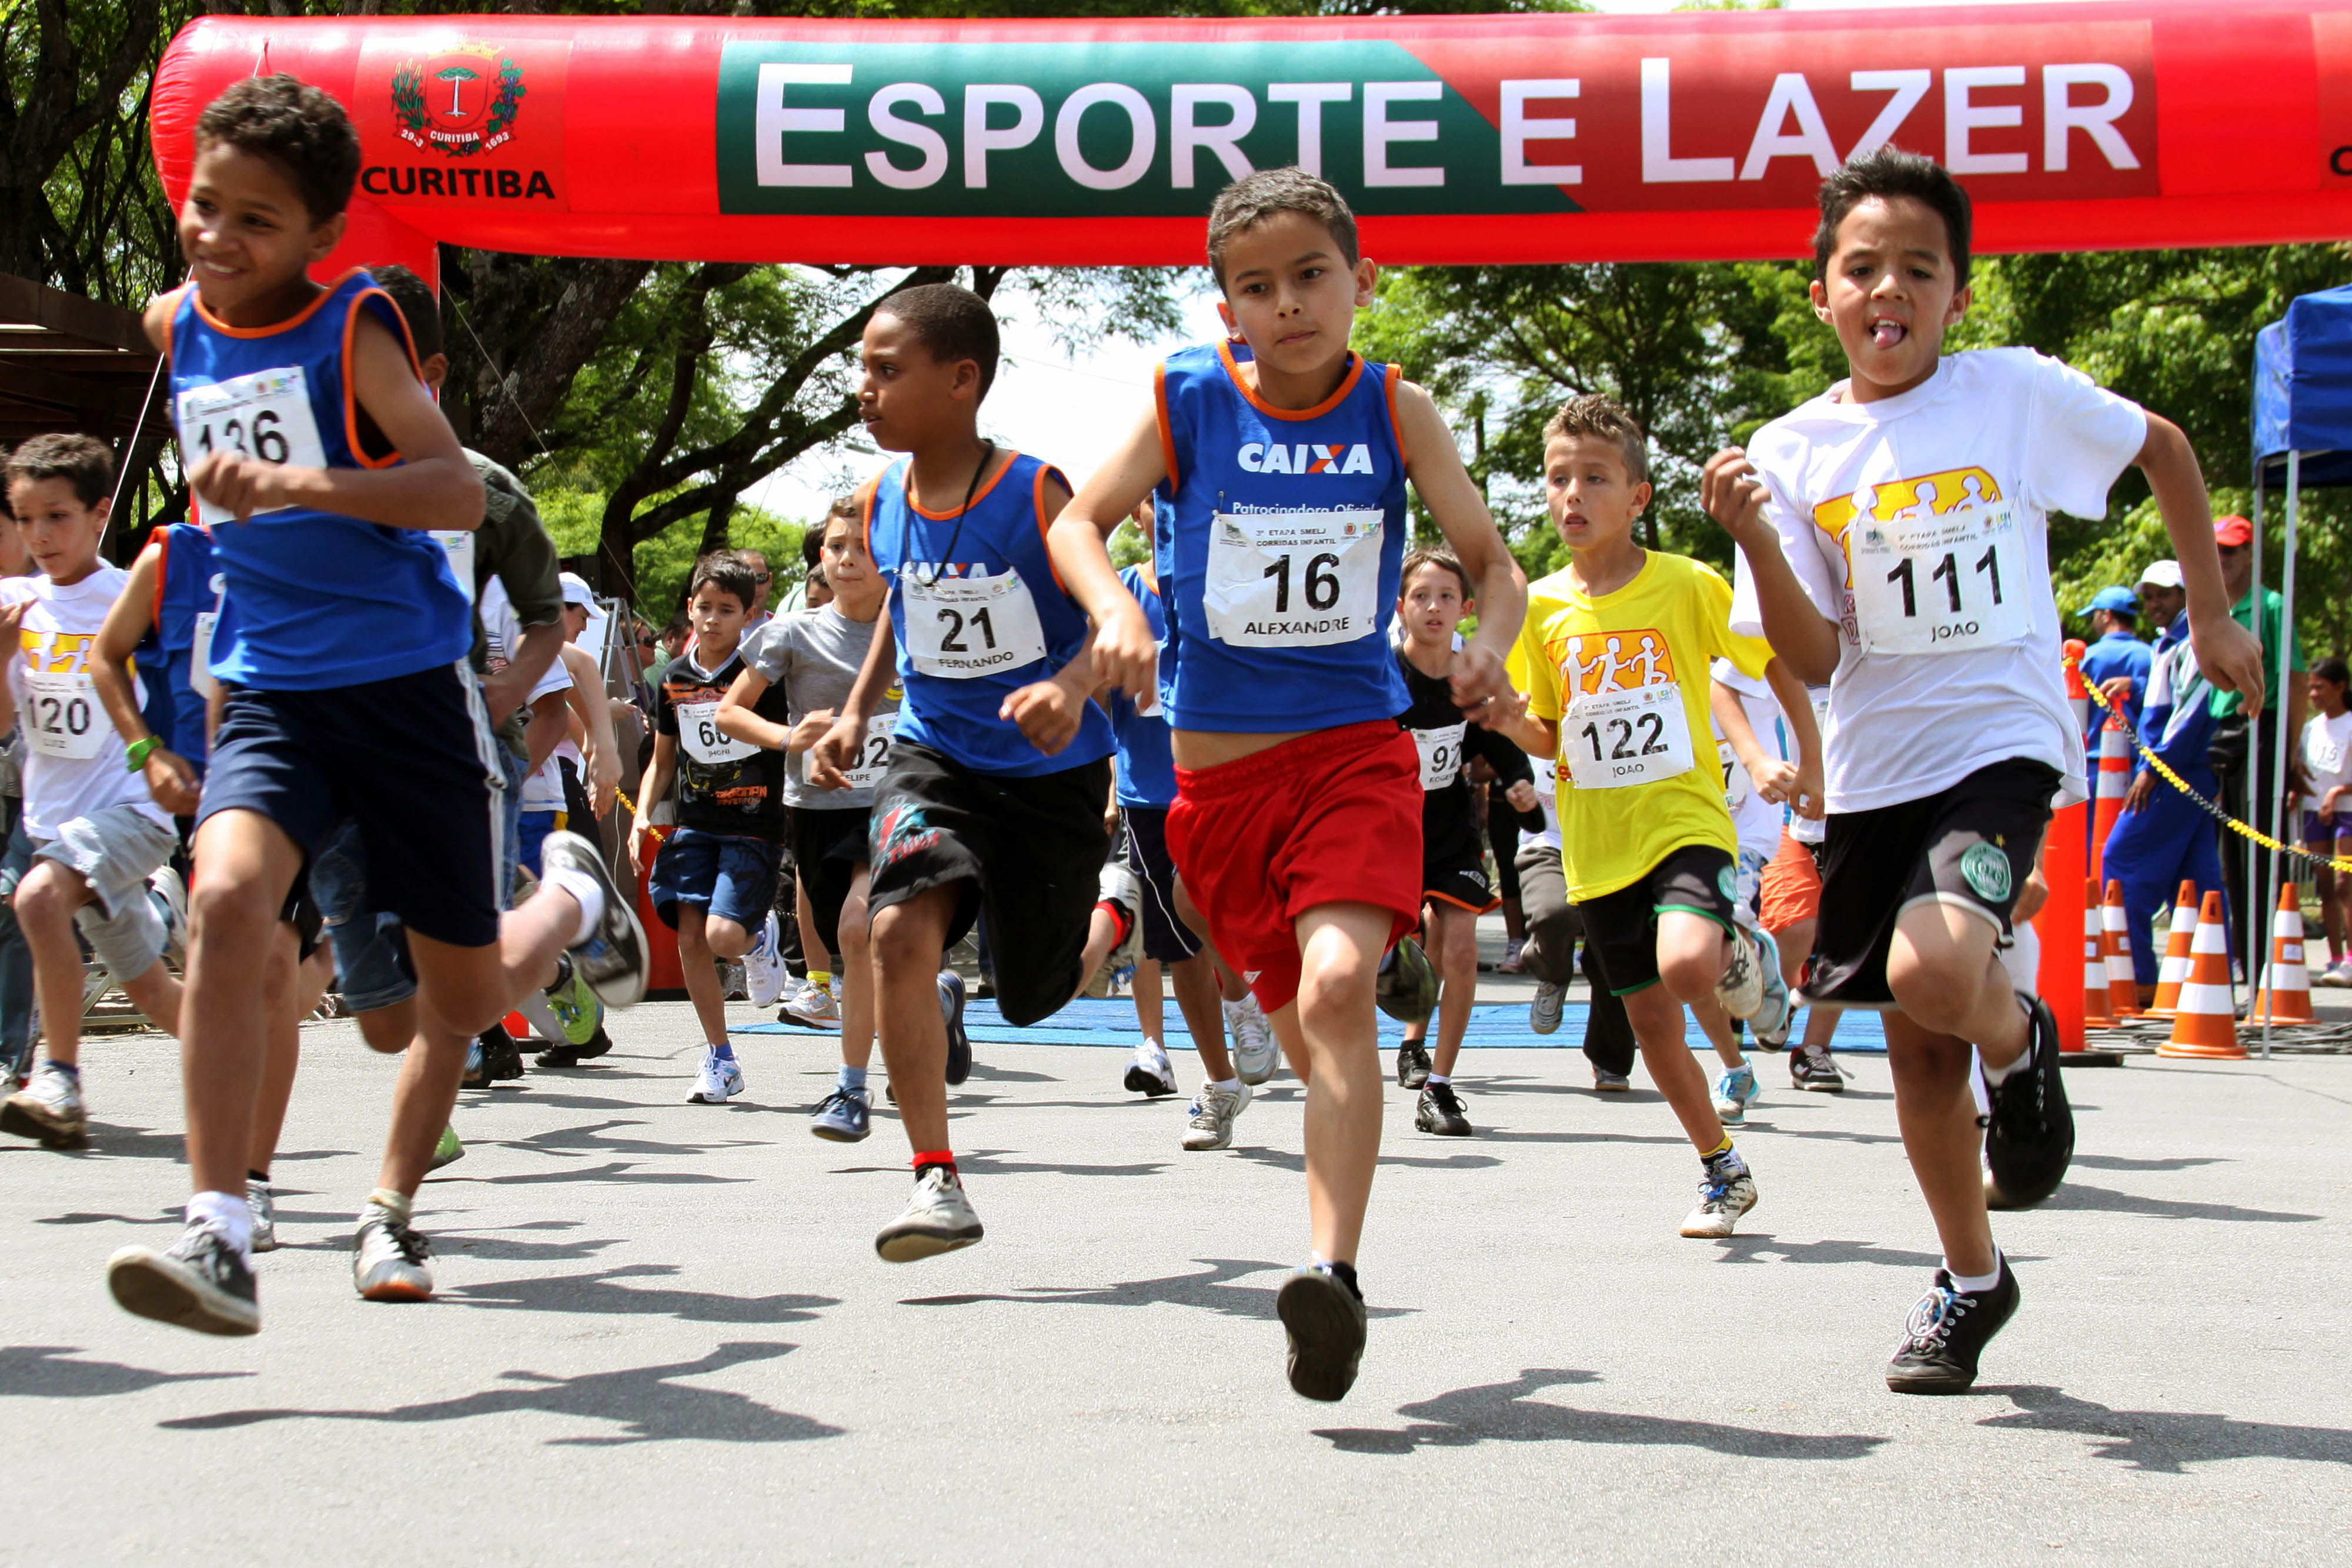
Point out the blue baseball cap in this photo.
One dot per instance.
(2113, 599)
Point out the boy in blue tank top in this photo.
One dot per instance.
(999, 768)
(322, 464)
(1280, 458)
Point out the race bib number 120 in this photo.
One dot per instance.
(1293, 580)
(265, 415)
(62, 718)
(1948, 584)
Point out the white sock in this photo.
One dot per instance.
(584, 891)
(1151, 1043)
(1228, 1085)
(1441, 1078)
(398, 1204)
(227, 1213)
(2001, 1074)
(1975, 1284)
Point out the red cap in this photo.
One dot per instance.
(2232, 531)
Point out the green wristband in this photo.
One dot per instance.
(139, 750)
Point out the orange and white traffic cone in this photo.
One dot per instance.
(2115, 928)
(2114, 783)
(2204, 1020)
(2098, 989)
(2285, 996)
(2174, 969)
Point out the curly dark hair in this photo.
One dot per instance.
(1888, 172)
(297, 127)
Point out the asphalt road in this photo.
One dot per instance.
(663, 1335)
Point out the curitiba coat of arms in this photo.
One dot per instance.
(463, 101)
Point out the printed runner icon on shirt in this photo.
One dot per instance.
(265, 415)
(1293, 579)
(1933, 564)
(1624, 721)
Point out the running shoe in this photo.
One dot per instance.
(1412, 1064)
(1741, 989)
(202, 1283)
(1123, 887)
(501, 1058)
(388, 1258)
(1607, 1082)
(2030, 1137)
(579, 1015)
(958, 1042)
(1723, 1198)
(1440, 1112)
(447, 1152)
(844, 1115)
(1256, 1052)
(475, 1076)
(1511, 964)
(938, 1219)
(1812, 1068)
(1543, 1012)
(1772, 1013)
(1407, 987)
(1324, 1322)
(171, 895)
(719, 1079)
(612, 956)
(263, 1203)
(1733, 1090)
(811, 1006)
(764, 966)
(1150, 1072)
(1776, 1039)
(2339, 973)
(1946, 1332)
(48, 1108)
(1214, 1112)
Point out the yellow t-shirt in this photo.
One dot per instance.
(1625, 677)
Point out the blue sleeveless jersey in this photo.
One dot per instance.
(323, 600)
(1308, 648)
(1146, 767)
(187, 588)
(1003, 531)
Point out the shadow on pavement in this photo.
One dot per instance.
(2104, 1200)
(602, 1292)
(647, 1404)
(1214, 1290)
(43, 1372)
(618, 1170)
(1504, 1413)
(2124, 1163)
(595, 1138)
(2167, 1441)
(1761, 1249)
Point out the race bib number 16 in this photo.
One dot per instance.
(265, 415)
(1293, 580)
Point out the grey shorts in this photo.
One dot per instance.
(114, 851)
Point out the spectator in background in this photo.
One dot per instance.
(819, 592)
(811, 545)
(2327, 812)
(756, 563)
(2164, 605)
(2245, 748)
(2117, 662)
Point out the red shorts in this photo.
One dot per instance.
(1790, 885)
(1333, 817)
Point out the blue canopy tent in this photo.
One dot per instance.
(2303, 437)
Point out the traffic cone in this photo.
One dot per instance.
(519, 1027)
(2174, 969)
(2285, 996)
(2114, 783)
(2098, 989)
(2204, 1022)
(2123, 983)
(2060, 921)
(2077, 697)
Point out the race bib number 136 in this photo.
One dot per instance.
(265, 415)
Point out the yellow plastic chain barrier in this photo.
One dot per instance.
(2244, 830)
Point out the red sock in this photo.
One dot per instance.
(935, 1157)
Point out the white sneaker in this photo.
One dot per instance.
(719, 1080)
(812, 1004)
(171, 896)
(388, 1258)
(263, 1204)
(49, 1107)
(939, 1218)
(2339, 973)
(1544, 1010)
(1150, 1073)
(764, 966)
(1256, 1053)
(1721, 1202)
(1214, 1112)
(1741, 989)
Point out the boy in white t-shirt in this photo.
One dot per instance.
(2328, 811)
(1894, 541)
(96, 837)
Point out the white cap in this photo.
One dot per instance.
(577, 592)
(2161, 574)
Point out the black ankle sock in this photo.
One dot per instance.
(261, 1177)
(1346, 1274)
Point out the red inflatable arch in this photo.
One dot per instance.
(1470, 139)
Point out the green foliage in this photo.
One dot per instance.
(664, 563)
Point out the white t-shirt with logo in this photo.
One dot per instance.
(1919, 524)
(73, 759)
(1756, 820)
(2327, 758)
(502, 633)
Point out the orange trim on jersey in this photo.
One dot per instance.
(1449, 898)
(162, 572)
(351, 391)
(977, 495)
(865, 496)
(1166, 432)
(1394, 376)
(1347, 385)
(1151, 576)
(217, 325)
(1037, 499)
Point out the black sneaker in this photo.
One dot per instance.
(1412, 1064)
(951, 1013)
(566, 1055)
(501, 1058)
(2030, 1137)
(1324, 1321)
(1946, 1332)
(1440, 1112)
(612, 958)
(202, 1283)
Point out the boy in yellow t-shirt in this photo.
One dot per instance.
(1613, 658)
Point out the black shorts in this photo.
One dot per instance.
(828, 847)
(1971, 846)
(411, 760)
(1028, 850)
(1621, 927)
(1462, 883)
(1165, 937)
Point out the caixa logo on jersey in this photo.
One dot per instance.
(466, 120)
(1303, 457)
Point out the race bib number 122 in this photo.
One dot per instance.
(1611, 739)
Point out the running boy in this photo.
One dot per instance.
(992, 797)
(1893, 537)
(1614, 656)
(96, 837)
(1280, 458)
(715, 877)
(347, 693)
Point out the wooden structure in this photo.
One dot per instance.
(68, 363)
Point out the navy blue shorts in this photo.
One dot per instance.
(411, 760)
(725, 877)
